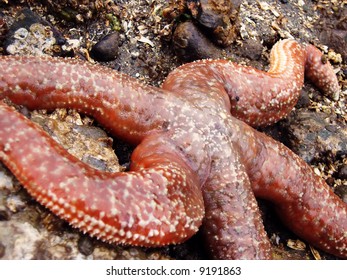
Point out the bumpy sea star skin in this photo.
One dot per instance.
(260, 98)
(105, 204)
(194, 163)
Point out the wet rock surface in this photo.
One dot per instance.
(75, 133)
(314, 135)
(145, 50)
(333, 28)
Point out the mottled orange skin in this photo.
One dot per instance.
(195, 163)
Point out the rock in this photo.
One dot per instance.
(335, 39)
(312, 137)
(333, 27)
(107, 48)
(31, 35)
(4, 215)
(85, 245)
(215, 19)
(208, 21)
(191, 44)
(88, 143)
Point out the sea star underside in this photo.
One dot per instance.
(197, 162)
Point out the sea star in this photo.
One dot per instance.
(194, 164)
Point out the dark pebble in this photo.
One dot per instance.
(94, 133)
(4, 215)
(304, 100)
(284, 1)
(107, 48)
(330, 181)
(342, 174)
(85, 245)
(341, 191)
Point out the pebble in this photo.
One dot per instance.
(15, 203)
(107, 48)
(85, 245)
(342, 174)
(4, 215)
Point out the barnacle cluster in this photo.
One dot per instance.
(37, 39)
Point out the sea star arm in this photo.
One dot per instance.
(261, 98)
(319, 71)
(257, 97)
(304, 202)
(233, 227)
(118, 102)
(158, 202)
